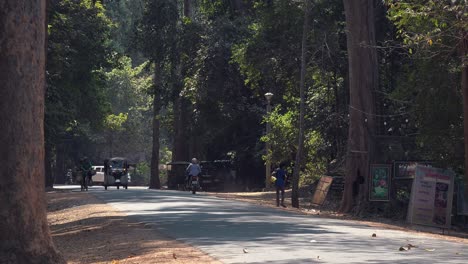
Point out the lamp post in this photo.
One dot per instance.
(268, 97)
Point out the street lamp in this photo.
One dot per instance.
(268, 97)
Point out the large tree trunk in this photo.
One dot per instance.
(181, 127)
(188, 8)
(363, 80)
(25, 236)
(464, 86)
(155, 182)
(300, 145)
(180, 109)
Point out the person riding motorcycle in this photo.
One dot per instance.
(193, 169)
(86, 167)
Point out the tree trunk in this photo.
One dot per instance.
(464, 87)
(363, 80)
(187, 8)
(181, 126)
(25, 236)
(181, 137)
(155, 182)
(300, 145)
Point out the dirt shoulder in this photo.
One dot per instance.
(268, 199)
(86, 230)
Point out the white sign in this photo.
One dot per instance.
(431, 197)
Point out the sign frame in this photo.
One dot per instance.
(321, 191)
(386, 184)
(409, 174)
(431, 197)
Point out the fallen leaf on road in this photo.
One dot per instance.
(412, 246)
(403, 249)
(458, 253)
(318, 257)
(429, 249)
(245, 250)
(374, 235)
(174, 256)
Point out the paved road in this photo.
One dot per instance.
(224, 228)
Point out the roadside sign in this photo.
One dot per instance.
(322, 190)
(431, 197)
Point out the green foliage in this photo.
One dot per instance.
(115, 122)
(428, 23)
(268, 58)
(142, 174)
(283, 135)
(77, 52)
(430, 81)
(130, 121)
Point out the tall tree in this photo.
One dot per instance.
(158, 27)
(23, 223)
(155, 182)
(363, 80)
(300, 144)
(181, 103)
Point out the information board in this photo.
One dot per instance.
(407, 169)
(431, 197)
(322, 190)
(379, 183)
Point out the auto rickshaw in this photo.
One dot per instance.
(116, 172)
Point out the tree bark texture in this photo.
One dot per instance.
(25, 236)
(300, 144)
(155, 182)
(181, 136)
(464, 86)
(187, 8)
(363, 80)
(181, 127)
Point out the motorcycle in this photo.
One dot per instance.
(193, 184)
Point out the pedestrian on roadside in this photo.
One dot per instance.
(280, 184)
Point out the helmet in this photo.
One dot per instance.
(194, 160)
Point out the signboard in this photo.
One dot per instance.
(431, 197)
(379, 189)
(407, 169)
(322, 190)
(337, 184)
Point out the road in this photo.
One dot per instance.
(239, 232)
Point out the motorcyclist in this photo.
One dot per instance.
(86, 166)
(193, 169)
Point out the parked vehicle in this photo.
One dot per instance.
(98, 177)
(116, 172)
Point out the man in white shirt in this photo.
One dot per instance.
(193, 169)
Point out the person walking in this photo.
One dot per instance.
(280, 184)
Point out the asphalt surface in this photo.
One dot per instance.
(239, 232)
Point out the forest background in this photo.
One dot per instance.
(201, 69)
